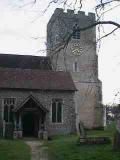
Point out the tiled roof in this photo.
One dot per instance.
(25, 62)
(12, 78)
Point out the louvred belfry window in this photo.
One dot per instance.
(57, 105)
(76, 32)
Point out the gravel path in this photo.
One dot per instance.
(38, 151)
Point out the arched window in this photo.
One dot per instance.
(9, 104)
(57, 110)
(76, 32)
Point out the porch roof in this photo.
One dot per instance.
(26, 100)
(12, 78)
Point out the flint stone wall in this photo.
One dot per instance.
(45, 98)
(88, 99)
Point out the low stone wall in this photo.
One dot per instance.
(8, 134)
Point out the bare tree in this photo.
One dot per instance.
(101, 8)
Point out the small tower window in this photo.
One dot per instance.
(75, 67)
(76, 32)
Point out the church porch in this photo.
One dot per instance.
(30, 119)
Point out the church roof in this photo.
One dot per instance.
(25, 61)
(11, 78)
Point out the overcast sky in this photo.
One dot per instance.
(21, 25)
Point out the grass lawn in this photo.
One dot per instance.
(14, 150)
(66, 148)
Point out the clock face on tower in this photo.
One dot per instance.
(76, 49)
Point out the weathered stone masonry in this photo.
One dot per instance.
(83, 52)
(41, 85)
(45, 98)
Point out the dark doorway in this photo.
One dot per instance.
(30, 125)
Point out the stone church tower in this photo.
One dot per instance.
(80, 59)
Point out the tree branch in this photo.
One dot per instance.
(100, 22)
(107, 34)
(67, 38)
(103, 4)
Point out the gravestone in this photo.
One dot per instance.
(90, 140)
(82, 132)
(116, 144)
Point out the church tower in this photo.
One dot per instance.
(78, 56)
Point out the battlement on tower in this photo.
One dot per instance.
(71, 12)
(59, 12)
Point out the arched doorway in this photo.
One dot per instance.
(30, 123)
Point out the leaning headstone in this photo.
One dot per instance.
(90, 140)
(82, 132)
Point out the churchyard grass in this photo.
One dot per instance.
(66, 148)
(14, 150)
